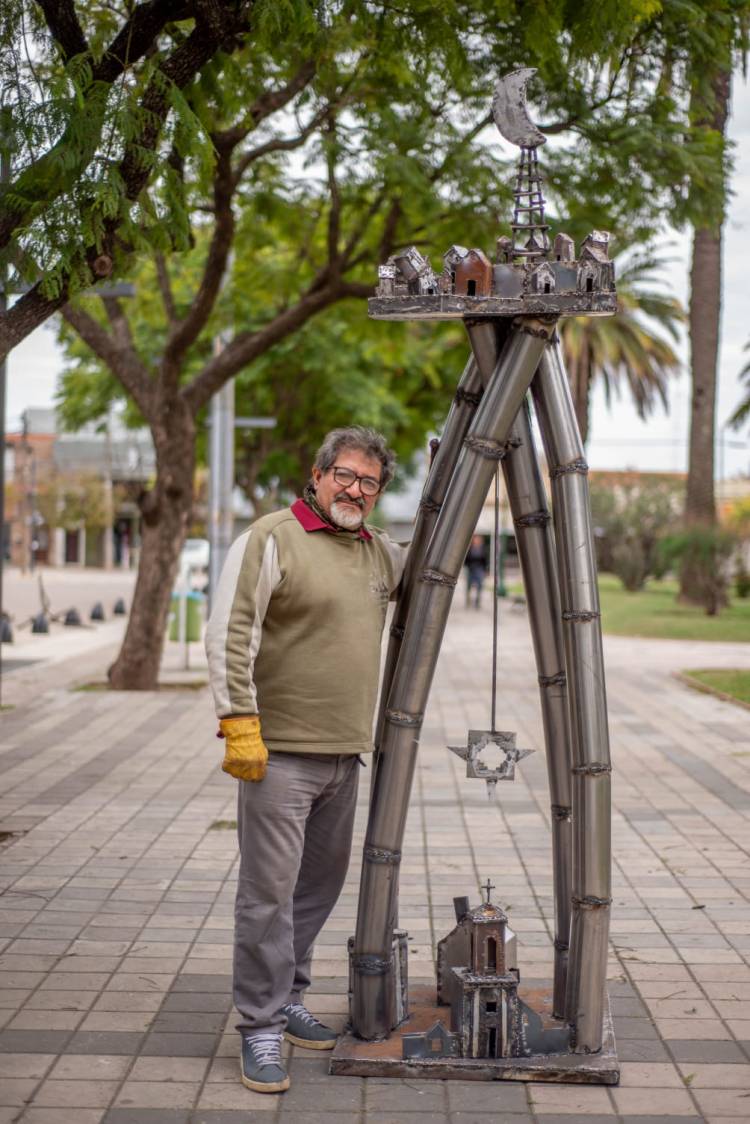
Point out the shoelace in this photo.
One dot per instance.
(302, 1013)
(266, 1048)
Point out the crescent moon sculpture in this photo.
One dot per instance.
(510, 112)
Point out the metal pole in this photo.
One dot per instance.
(373, 999)
(221, 481)
(462, 410)
(536, 552)
(591, 886)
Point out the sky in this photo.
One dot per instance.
(618, 438)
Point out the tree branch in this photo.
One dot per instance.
(186, 331)
(64, 27)
(47, 177)
(247, 346)
(165, 288)
(116, 351)
(270, 146)
(266, 104)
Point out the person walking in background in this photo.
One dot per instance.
(477, 564)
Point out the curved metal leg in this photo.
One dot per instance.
(591, 898)
(536, 551)
(372, 999)
(462, 410)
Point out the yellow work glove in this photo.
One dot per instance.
(245, 755)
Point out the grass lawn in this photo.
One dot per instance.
(725, 681)
(654, 611)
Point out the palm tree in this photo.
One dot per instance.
(624, 346)
(742, 413)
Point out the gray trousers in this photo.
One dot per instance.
(295, 834)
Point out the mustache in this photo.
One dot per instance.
(349, 499)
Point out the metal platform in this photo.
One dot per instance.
(356, 1058)
(450, 307)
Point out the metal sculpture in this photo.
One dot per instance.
(510, 309)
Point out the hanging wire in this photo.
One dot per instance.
(495, 586)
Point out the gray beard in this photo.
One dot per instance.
(345, 517)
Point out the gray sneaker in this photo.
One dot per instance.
(303, 1029)
(263, 1069)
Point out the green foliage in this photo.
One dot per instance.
(741, 578)
(336, 371)
(742, 413)
(626, 348)
(702, 554)
(631, 517)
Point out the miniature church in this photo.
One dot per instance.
(478, 978)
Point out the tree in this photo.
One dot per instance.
(742, 413)
(88, 95)
(329, 149)
(624, 346)
(719, 36)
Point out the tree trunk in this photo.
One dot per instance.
(704, 325)
(166, 514)
(581, 390)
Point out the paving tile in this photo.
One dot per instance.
(653, 1102)
(25, 1065)
(104, 1042)
(86, 1067)
(724, 1102)
(650, 1075)
(33, 1041)
(180, 1045)
(495, 1096)
(37, 1115)
(147, 1116)
(236, 1096)
(82, 1093)
(574, 1100)
(713, 1051)
(157, 1094)
(168, 1069)
(17, 1090)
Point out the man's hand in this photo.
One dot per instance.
(245, 755)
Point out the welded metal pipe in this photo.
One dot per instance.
(536, 551)
(591, 893)
(462, 410)
(373, 1001)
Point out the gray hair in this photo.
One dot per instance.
(359, 437)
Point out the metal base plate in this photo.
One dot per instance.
(353, 1057)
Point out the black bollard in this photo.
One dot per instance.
(6, 632)
(40, 623)
(72, 618)
(97, 613)
(119, 609)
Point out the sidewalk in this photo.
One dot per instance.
(115, 945)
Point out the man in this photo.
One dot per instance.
(293, 650)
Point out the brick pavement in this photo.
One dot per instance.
(115, 936)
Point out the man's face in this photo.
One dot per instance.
(347, 505)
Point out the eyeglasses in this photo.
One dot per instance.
(368, 485)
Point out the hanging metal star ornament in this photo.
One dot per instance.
(482, 746)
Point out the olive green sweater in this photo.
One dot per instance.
(296, 627)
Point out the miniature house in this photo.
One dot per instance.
(417, 272)
(474, 275)
(504, 248)
(477, 976)
(543, 279)
(451, 260)
(564, 248)
(387, 279)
